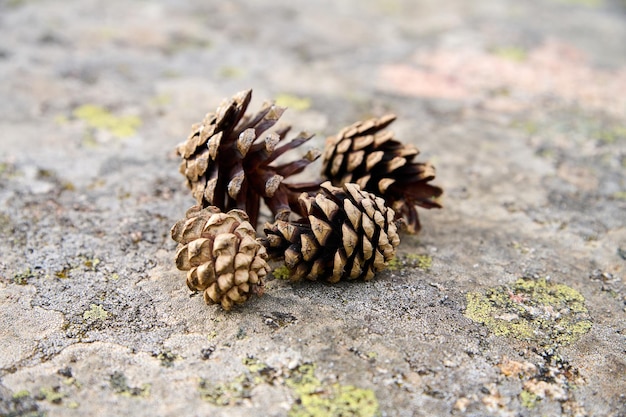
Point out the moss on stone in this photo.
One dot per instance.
(536, 310)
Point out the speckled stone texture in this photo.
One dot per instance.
(510, 302)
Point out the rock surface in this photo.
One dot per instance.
(510, 302)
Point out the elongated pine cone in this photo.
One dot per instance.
(348, 233)
(228, 167)
(368, 155)
(221, 254)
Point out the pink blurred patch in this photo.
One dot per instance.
(411, 81)
(555, 70)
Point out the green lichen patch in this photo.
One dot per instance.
(260, 371)
(21, 278)
(411, 260)
(95, 312)
(235, 392)
(21, 394)
(528, 399)
(535, 310)
(97, 117)
(53, 395)
(9, 170)
(119, 385)
(313, 397)
(316, 399)
(282, 272)
(293, 102)
(612, 134)
(21, 404)
(229, 393)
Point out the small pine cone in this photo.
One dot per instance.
(221, 254)
(368, 155)
(226, 167)
(348, 233)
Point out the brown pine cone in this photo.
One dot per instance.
(226, 167)
(221, 254)
(368, 155)
(348, 233)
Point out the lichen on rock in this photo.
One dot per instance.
(536, 310)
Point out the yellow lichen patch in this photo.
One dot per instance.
(95, 312)
(98, 117)
(316, 399)
(228, 393)
(511, 53)
(282, 272)
(293, 102)
(421, 261)
(313, 397)
(536, 310)
(21, 394)
(52, 394)
(528, 399)
(411, 260)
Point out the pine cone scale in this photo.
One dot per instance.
(345, 235)
(220, 254)
(227, 159)
(386, 169)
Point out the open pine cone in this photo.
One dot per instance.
(221, 254)
(228, 167)
(347, 233)
(368, 155)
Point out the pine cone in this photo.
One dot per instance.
(226, 168)
(221, 254)
(348, 233)
(369, 156)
